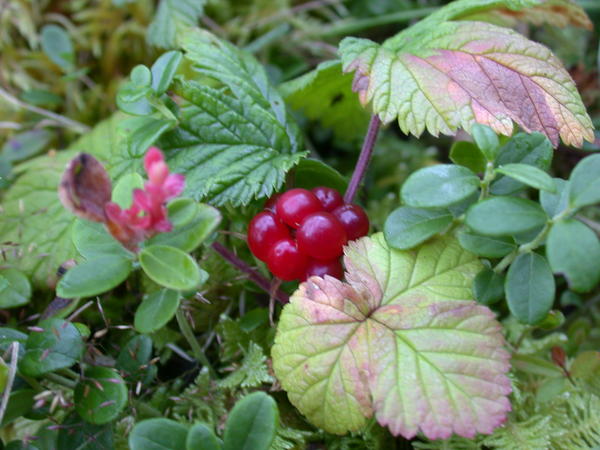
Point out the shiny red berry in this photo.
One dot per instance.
(318, 268)
(294, 205)
(353, 219)
(321, 236)
(329, 198)
(271, 202)
(286, 261)
(264, 230)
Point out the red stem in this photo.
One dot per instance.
(363, 160)
(253, 274)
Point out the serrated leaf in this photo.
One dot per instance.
(173, 17)
(442, 76)
(325, 94)
(402, 340)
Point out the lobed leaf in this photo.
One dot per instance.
(439, 364)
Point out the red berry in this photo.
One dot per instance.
(329, 198)
(317, 268)
(271, 202)
(264, 230)
(321, 236)
(286, 261)
(353, 219)
(294, 205)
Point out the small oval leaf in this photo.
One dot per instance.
(487, 246)
(407, 227)
(584, 182)
(15, 289)
(158, 434)
(488, 287)
(156, 310)
(164, 69)
(202, 437)
(252, 423)
(100, 395)
(505, 216)
(170, 267)
(529, 175)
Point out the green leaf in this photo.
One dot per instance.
(141, 76)
(122, 193)
(172, 19)
(16, 290)
(487, 140)
(252, 423)
(164, 69)
(93, 241)
(529, 175)
(20, 402)
(156, 310)
(181, 211)
(442, 76)
(504, 216)
(188, 237)
(134, 357)
(439, 186)
(170, 267)
(158, 434)
(530, 288)
(57, 45)
(404, 315)
(408, 227)
(236, 142)
(100, 396)
(25, 145)
(488, 287)
(584, 183)
(573, 250)
(75, 434)
(202, 437)
(325, 94)
(58, 346)
(468, 155)
(556, 203)
(310, 173)
(487, 246)
(94, 276)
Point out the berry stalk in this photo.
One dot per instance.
(363, 160)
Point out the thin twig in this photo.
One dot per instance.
(12, 370)
(363, 159)
(69, 123)
(189, 335)
(253, 274)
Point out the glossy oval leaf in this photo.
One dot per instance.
(505, 216)
(486, 139)
(573, 250)
(170, 267)
(156, 310)
(158, 434)
(134, 357)
(408, 227)
(488, 287)
(468, 155)
(202, 437)
(15, 289)
(56, 344)
(439, 186)
(529, 175)
(487, 246)
(584, 183)
(92, 241)
(100, 396)
(530, 288)
(94, 276)
(555, 203)
(419, 306)
(252, 423)
(164, 69)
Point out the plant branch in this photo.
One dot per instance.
(253, 274)
(363, 159)
(188, 333)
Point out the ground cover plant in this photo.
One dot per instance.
(286, 225)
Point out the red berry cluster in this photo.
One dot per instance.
(302, 233)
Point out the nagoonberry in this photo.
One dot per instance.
(265, 229)
(329, 198)
(286, 261)
(353, 219)
(294, 205)
(318, 268)
(321, 236)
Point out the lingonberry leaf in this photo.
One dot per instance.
(172, 18)
(402, 340)
(233, 144)
(442, 75)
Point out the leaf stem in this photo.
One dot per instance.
(188, 333)
(488, 177)
(364, 158)
(58, 379)
(12, 370)
(253, 274)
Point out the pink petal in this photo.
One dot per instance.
(158, 172)
(114, 213)
(174, 185)
(153, 156)
(164, 226)
(141, 200)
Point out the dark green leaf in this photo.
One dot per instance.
(252, 423)
(16, 290)
(171, 20)
(584, 182)
(100, 395)
(574, 251)
(488, 287)
(556, 203)
(529, 175)
(503, 216)
(156, 310)
(439, 186)
(202, 437)
(58, 346)
(164, 69)
(487, 246)
(310, 173)
(75, 434)
(170, 267)
(19, 403)
(92, 241)
(10, 335)
(41, 97)
(468, 155)
(94, 276)
(486, 139)
(134, 357)
(407, 227)
(57, 45)
(24, 145)
(158, 434)
(530, 288)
